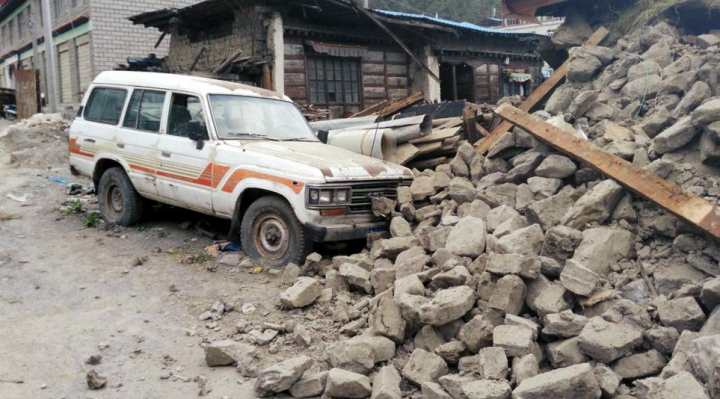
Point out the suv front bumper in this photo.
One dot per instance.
(342, 232)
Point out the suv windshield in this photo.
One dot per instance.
(239, 117)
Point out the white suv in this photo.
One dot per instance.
(227, 150)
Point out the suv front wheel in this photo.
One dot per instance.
(271, 233)
(119, 202)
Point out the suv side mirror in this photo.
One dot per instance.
(197, 132)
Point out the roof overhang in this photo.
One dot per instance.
(527, 9)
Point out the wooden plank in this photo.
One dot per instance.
(429, 163)
(404, 153)
(372, 109)
(452, 142)
(691, 208)
(429, 147)
(483, 132)
(401, 105)
(437, 135)
(538, 95)
(451, 124)
(469, 116)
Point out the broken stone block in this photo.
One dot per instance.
(703, 355)
(640, 365)
(493, 363)
(512, 320)
(302, 335)
(602, 247)
(422, 188)
(499, 194)
(388, 320)
(574, 382)
(710, 294)
(487, 389)
(595, 206)
(707, 41)
(524, 367)
(409, 285)
(543, 187)
(429, 339)
(467, 238)
(451, 351)
(525, 241)
(438, 238)
(556, 167)
(681, 314)
(227, 352)
(564, 324)
(477, 333)
(606, 342)
(513, 224)
(517, 341)
(453, 384)
(582, 68)
(548, 212)
(356, 276)
(680, 83)
(681, 386)
(431, 390)
(447, 305)
(399, 227)
(281, 376)
(94, 380)
(508, 295)
(704, 264)
(498, 215)
(458, 275)
(643, 87)
(662, 339)
(392, 247)
(411, 262)
(382, 279)
(310, 385)
(560, 242)
(545, 297)
(706, 114)
(607, 379)
(520, 265)
(386, 384)
(583, 102)
(710, 144)
(360, 354)
(566, 353)
(346, 384)
(675, 136)
(424, 367)
(672, 277)
(303, 293)
(550, 267)
(262, 337)
(578, 279)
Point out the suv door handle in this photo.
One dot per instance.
(121, 145)
(89, 140)
(165, 154)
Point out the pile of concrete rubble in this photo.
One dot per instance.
(524, 274)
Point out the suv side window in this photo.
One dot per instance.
(105, 105)
(186, 115)
(145, 110)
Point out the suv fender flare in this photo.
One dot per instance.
(104, 156)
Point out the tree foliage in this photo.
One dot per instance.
(474, 11)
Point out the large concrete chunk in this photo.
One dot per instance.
(360, 354)
(303, 293)
(675, 136)
(556, 167)
(703, 355)
(574, 382)
(520, 265)
(508, 295)
(356, 276)
(595, 206)
(548, 212)
(467, 238)
(310, 385)
(525, 241)
(282, 376)
(682, 314)
(578, 279)
(448, 305)
(517, 341)
(545, 297)
(606, 342)
(227, 352)
(388, 320)
(346, 384)
(424, 367)
(489, 363)
(386, 384)
(640, 365)
(566, 353)
(477, 333)
(487, 389)
(602, 247)
(524, 367)
(564, 324)
(706, 113)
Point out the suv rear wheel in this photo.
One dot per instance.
(271, 233)
(119, 202)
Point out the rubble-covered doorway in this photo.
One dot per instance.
(457, 82)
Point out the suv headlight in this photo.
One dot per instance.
(328, 196)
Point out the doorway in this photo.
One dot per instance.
(457, 82)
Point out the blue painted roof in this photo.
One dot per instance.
(446, 22)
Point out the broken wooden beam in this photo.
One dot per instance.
(674, 199)
(401, 105)
(545, 89)
(227, 62)
(372, 109)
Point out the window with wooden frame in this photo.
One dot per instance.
(333, 80)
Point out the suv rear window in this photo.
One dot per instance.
(105, 105)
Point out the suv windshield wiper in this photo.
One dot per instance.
(258, 135)
(304, 139)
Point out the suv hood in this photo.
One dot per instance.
(335, 164)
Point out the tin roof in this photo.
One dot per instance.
(453, 24)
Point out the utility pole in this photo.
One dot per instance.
(53, 92)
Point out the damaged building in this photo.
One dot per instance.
(335, 55)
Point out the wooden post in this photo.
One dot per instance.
(454, 83)
(267, 77)
(539, 94)
(691, 208)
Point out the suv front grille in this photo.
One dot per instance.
(363, 193)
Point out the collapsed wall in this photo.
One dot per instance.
(524, 273)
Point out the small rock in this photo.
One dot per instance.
(303, 293)
(95, 381)
(281, 376)
(424, 367)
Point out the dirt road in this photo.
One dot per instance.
(65, 289)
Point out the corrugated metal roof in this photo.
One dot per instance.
(454, 24)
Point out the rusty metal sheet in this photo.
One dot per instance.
(544, 90)
(672, 198)
(27, 92)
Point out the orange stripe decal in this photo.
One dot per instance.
(75, 148)
(240, 175)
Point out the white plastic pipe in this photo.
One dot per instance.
(376, 143)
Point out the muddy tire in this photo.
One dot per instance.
(270, 233)
(119, 202)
